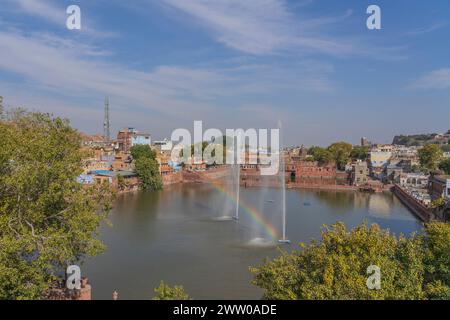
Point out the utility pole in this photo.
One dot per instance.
(106, 127)
(1, 105)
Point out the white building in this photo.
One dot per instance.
(164, 145)
(413, 180)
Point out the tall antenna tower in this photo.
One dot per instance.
(106, 128)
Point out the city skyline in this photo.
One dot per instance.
(312, 64)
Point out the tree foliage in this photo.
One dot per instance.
(121, 183)
(359, 153)
(142, 151)
(444, 165)
(321, 155)
(336, 267)
(47, 219)
(146, 167)
(148, 172)
(165, 292)
(341, 152)
(446, 147)
(429, 156)
(436, 239)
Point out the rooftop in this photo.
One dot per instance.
(112, 174)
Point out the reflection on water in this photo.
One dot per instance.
(174, 235)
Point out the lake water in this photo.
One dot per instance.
(177, 235)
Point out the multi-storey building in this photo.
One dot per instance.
(439, 186)
(360, 173)
(129, 137)
(312, 173)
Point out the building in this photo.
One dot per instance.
(365, 142)
(131, 180)
(124, 139)
(439, 186)
(122, 161)
(412, 180)
(195, 164)
(383, 148)
(129, 137)
(310, 172)
(360, 173)
(392, 172)
(164, 162)
(165, 145)
(94, 164)
(378, 162)
(141, 139)
(85, 179)
(441, 139)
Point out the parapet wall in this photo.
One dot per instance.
(422, 212)
(172, 178)
(195, 176)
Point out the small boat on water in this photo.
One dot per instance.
(270, 201)
(306, 204)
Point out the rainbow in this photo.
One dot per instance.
(256, 216)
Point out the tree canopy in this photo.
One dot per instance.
(446, 147)
(429, 156)
(336, 267)
(321, 155)
(444, 165)
(47, 219)
(146, 167)
(148, 172)
(142, 151)
(341, 152)
(165, 292)
(359, 153)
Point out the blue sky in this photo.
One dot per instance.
(312, 64)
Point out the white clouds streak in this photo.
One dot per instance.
(260, 26)
(44, 10)
(437, 79)
(63, 66)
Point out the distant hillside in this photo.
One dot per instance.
(421, 139)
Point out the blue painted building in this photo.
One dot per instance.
(141, 139)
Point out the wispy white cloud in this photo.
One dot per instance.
(437, 79)
(44, 9)
(75, 69)
(431, 28)
(261, 26)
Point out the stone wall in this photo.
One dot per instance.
(423, 213)
(172, 178)
(205, 176)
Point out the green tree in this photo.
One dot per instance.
(47, 220)
(446, 147)
(341, 152)
(429, 156)
(321, 155)
(444, 165)
(436, 239)
(142, 151)
(147, 170)
(438, 203)
(359, 153)
(336, 267)
(165, 292)
(121, 182)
